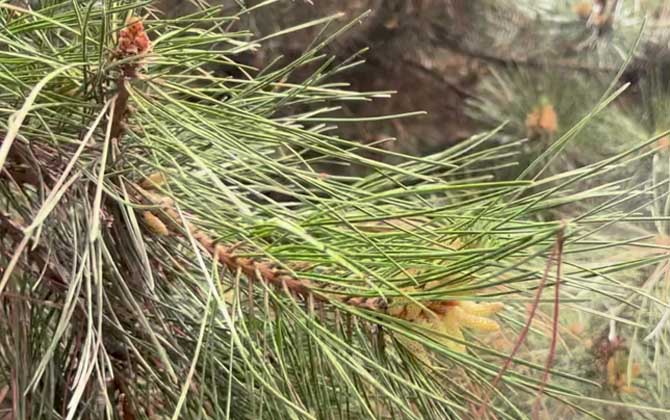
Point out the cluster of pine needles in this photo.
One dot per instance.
(181, 237)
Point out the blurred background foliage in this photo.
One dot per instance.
(447, 56)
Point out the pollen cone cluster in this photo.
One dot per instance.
(447, 319)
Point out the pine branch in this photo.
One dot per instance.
(253, 269)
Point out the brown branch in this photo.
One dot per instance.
(18, 170)
(133, 42)
(38, 254)
(120, 109)
(483, 409)
(266, 271)
(554, 334)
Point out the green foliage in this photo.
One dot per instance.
(103, 317)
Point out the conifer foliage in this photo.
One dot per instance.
(178, 239)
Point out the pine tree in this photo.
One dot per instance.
(186, 236)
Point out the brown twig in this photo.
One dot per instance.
(120, 109)
(524, 332)
(38, 254)
(554, 333)
(133, 42)
(252, 268)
